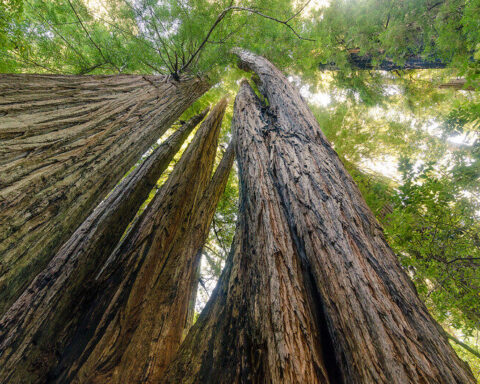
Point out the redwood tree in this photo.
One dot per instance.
(135, 325)
(44, 317)
(311, 291)
(65, 142)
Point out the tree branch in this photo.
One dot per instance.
(463, 345)
(28, 61)
(52, 26)
(222, 15)
(90, 37)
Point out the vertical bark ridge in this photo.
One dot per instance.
(135, 324)
(40, 322)
(207, 208)
(65, 141)
(257, 326)
(380, 329)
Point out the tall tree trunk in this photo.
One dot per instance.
(65, 142)
(308, 251)
(135, 325)
(43, 318)
(257, 327)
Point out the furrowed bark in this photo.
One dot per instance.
(379, 328)
(65, 142)
(135, 324)
(258, 326)
(39, 324)
(207, 208)
(308, 251)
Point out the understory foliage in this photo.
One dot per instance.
(409, 138)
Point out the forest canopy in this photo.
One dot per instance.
(394, 85)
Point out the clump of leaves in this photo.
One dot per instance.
(434, 228)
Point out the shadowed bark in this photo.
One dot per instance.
(308, 251)
(135, 325)
(65, 141)
(35, 329)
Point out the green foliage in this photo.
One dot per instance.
(11, 16)
(430, 206)
(434, 228)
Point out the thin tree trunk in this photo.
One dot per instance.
(43, 318)
(464, 346)
(135, 325)
(65, 141)
(308, 251)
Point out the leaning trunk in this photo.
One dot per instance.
(336, 305)
(370, 62)
(65, 142)
(135, 324)
(59, 294)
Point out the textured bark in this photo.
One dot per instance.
(352, 298)
(259, 326)
(39, 324)
(65, 141)
(135, 324)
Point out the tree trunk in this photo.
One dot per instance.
(366, 62)
(458, 84)
(135, 324)
(311, 292)
(258, 326)
(65, 142)
(56, 297)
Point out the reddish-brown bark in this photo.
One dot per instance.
(65, 142)
(136, 322)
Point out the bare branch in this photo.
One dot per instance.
(90, 69)
(222, 246)
(158, 70)
(464, 346)
(222, 15)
